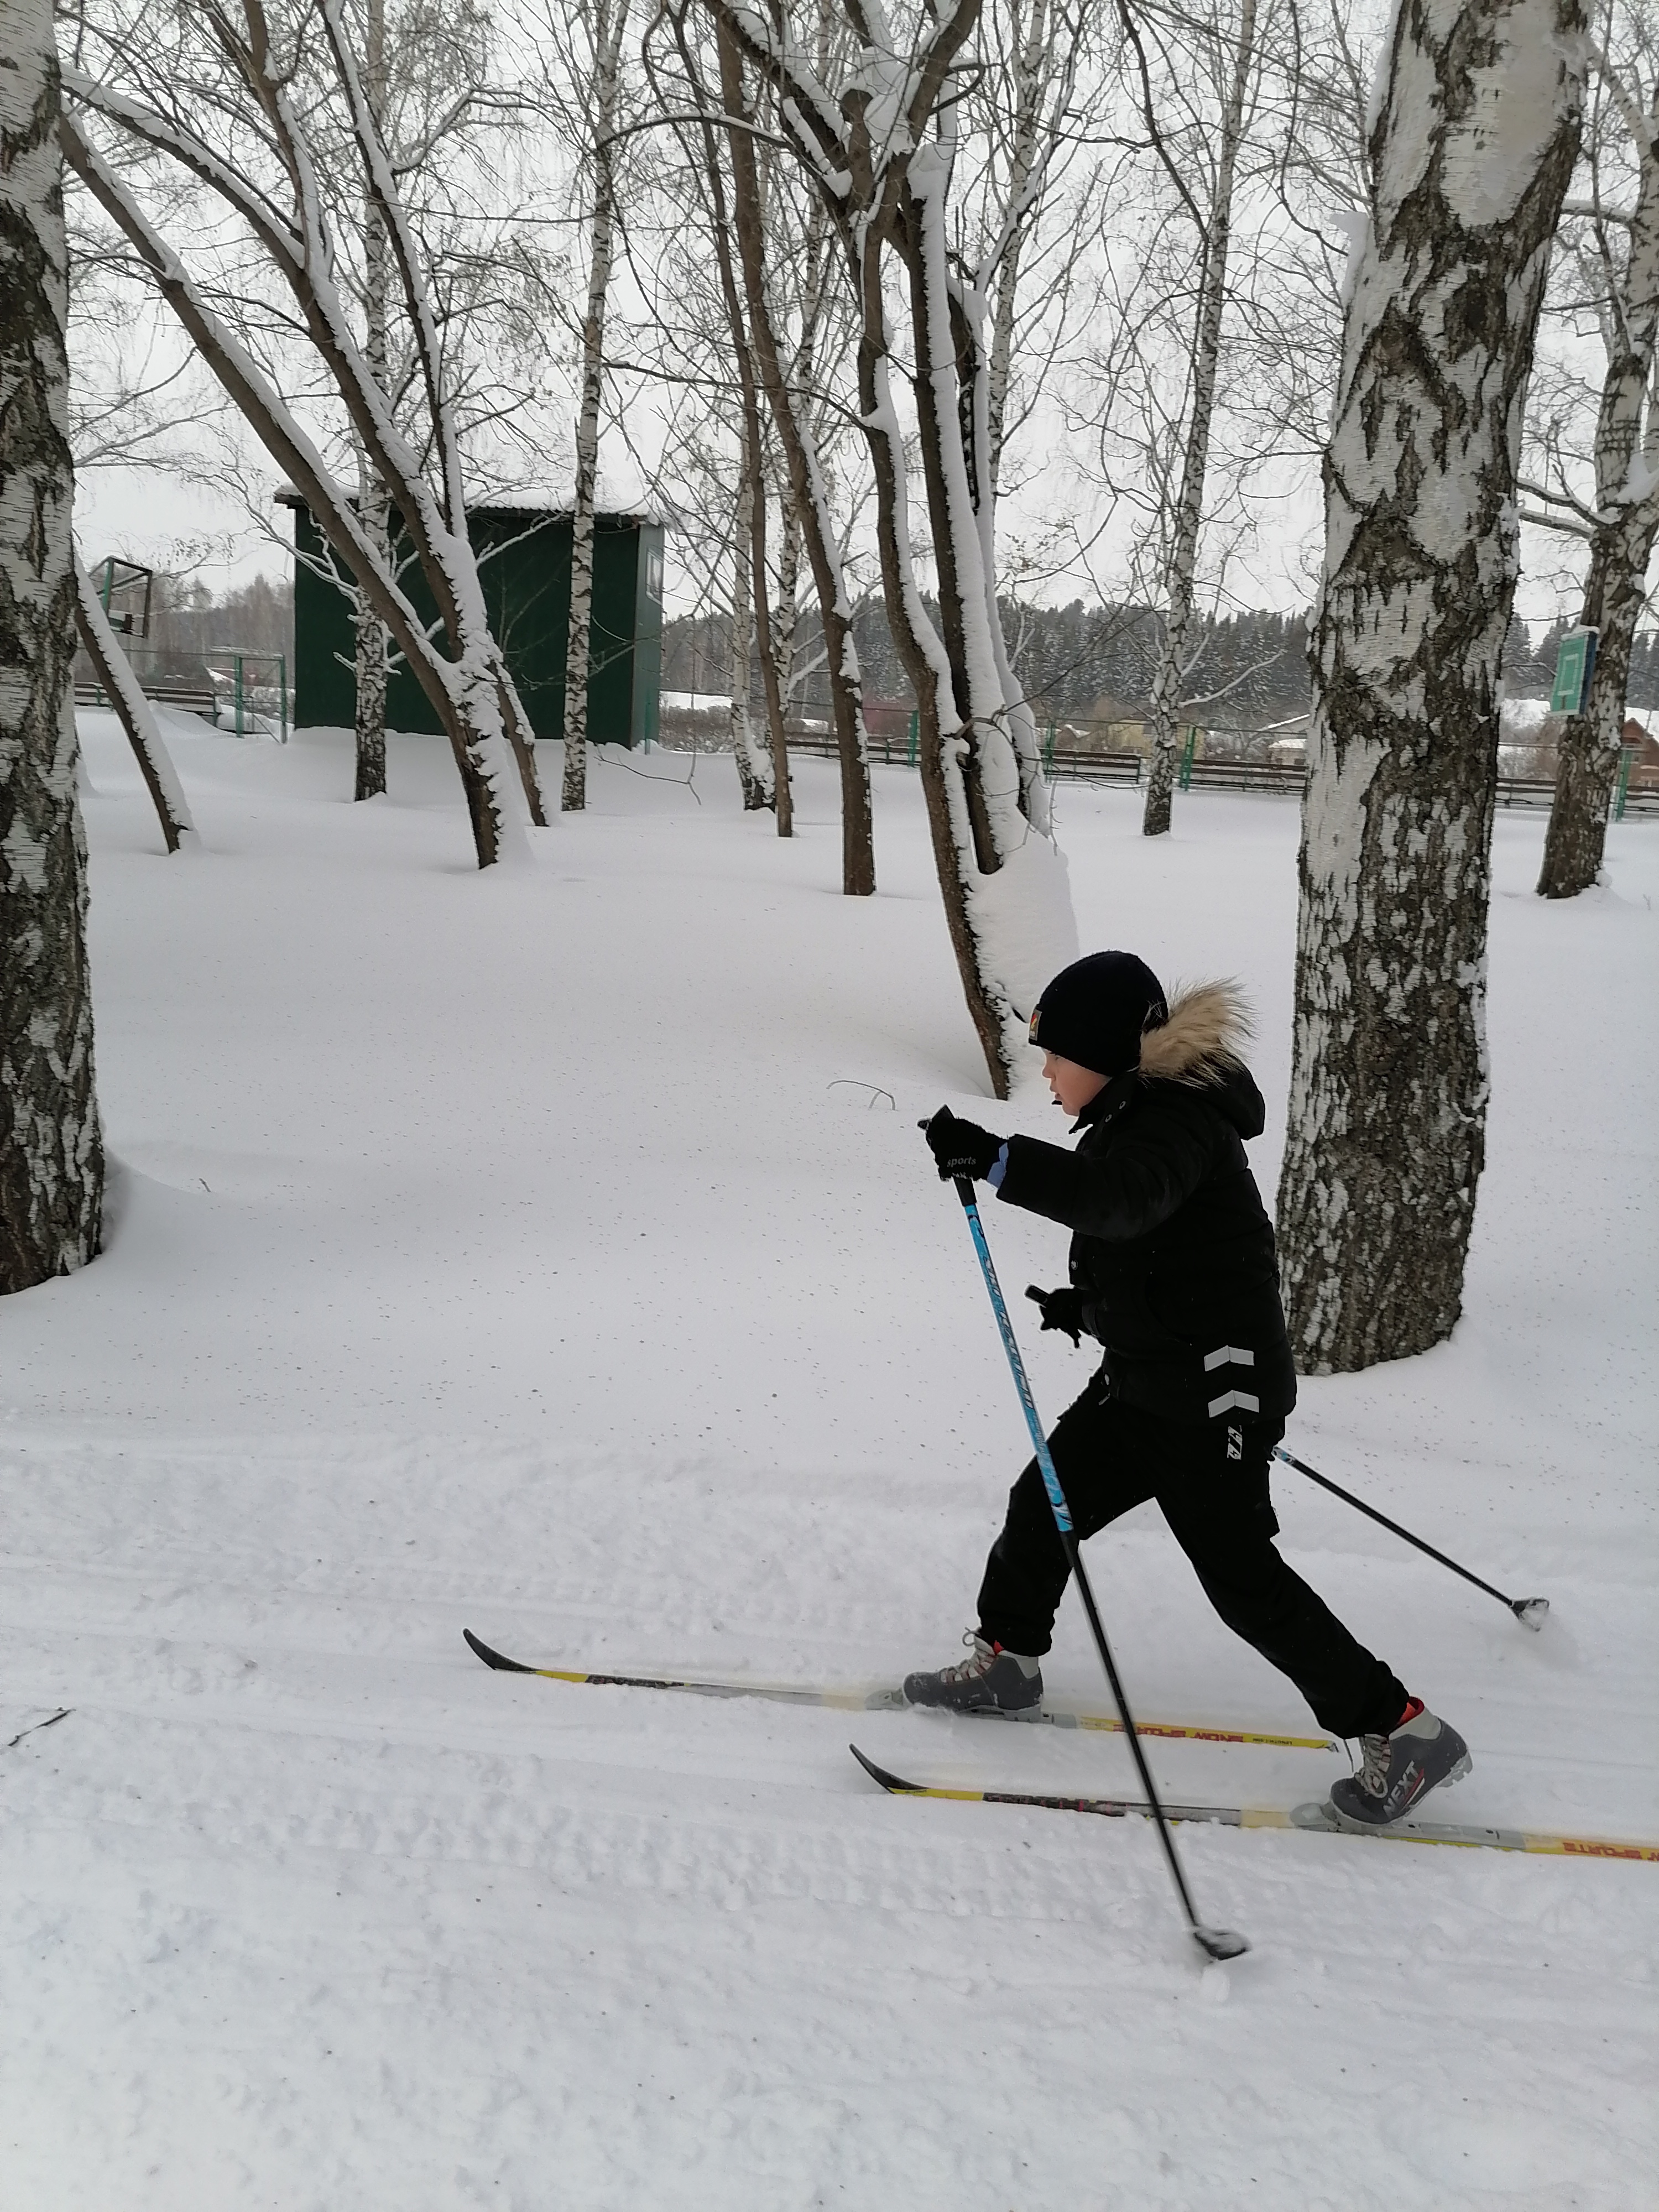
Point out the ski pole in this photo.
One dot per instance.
(1214, 1942)
(1529, 1611)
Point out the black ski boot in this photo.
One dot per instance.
(1399, 1770)
(992, 1681)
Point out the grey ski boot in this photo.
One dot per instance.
(992, 1681)
(1397, 1770)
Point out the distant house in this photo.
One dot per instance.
(523, 552)
(1112, 727)
(1638, 739)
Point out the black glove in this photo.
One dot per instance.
(961, 1148)
(1060, 1310)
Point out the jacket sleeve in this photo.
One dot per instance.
(1122, 1192)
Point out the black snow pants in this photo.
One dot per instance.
(1211, 1483)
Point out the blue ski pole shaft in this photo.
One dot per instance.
(1216, 1942)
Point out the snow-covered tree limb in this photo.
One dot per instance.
(463, 692)
(134, 711)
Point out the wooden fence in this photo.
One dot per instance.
(1640, 794)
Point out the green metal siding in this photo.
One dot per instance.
(524, 565)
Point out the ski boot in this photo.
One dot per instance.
(992, 1682)
(1397, 1770)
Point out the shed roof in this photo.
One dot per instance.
(510, 506)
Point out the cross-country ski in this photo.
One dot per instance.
(885, 1697)
(1307, 1819)
(828, 900)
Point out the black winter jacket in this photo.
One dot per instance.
(1172, 1248)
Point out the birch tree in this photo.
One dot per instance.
(52, 1158)
(1609, 263)
(808, 493)
(1218, 52)
(470, 689)
(373, 498)
(864, 140)
(1473, 145)
(426, 92)
(606, 20)
(764, 782)
(756, 769)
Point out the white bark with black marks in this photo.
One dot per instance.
(754, 763)
(374, 502)
(1621, 538)
(813, 508)
(884, 184)
(1473, 147)
(608, 18)
(51, 1154)
(1214, 217)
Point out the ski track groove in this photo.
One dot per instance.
(303, 1911)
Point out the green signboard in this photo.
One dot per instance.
(1573, 667)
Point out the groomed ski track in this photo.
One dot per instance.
(495, 1250)
(1306, 1819)
(880, 1698)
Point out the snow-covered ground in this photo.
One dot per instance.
(554, 1253)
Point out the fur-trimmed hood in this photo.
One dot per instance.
(1203, 1040)
(1201, 1046)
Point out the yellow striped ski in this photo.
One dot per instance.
(1313, 1819)
(883, 1698)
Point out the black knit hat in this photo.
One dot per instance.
(1097, 1010)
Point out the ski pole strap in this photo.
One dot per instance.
(1062, 1512)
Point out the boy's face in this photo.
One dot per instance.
(1072, 1086)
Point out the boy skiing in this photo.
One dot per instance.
(1173, 1272)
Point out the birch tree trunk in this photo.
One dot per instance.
(783, 616)
(764, 783)
(884, 183)
(374, 505)
(1621, 543)
(1030, 75)
(786, 604)
(771, 761)
(608, 21)
(995, 866)
(753, 766)
(1587, 766)
(133, 709)
(809, 493)
(1473, 148)
(1188, 518)
(51, 1154)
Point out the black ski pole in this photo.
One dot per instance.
(1214, 1942)
(1529, 1611)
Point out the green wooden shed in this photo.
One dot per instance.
(523, 564)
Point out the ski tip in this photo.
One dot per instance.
(891, 1783)
(1530, 1612)
(1219, 1942)
(494, 1658)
